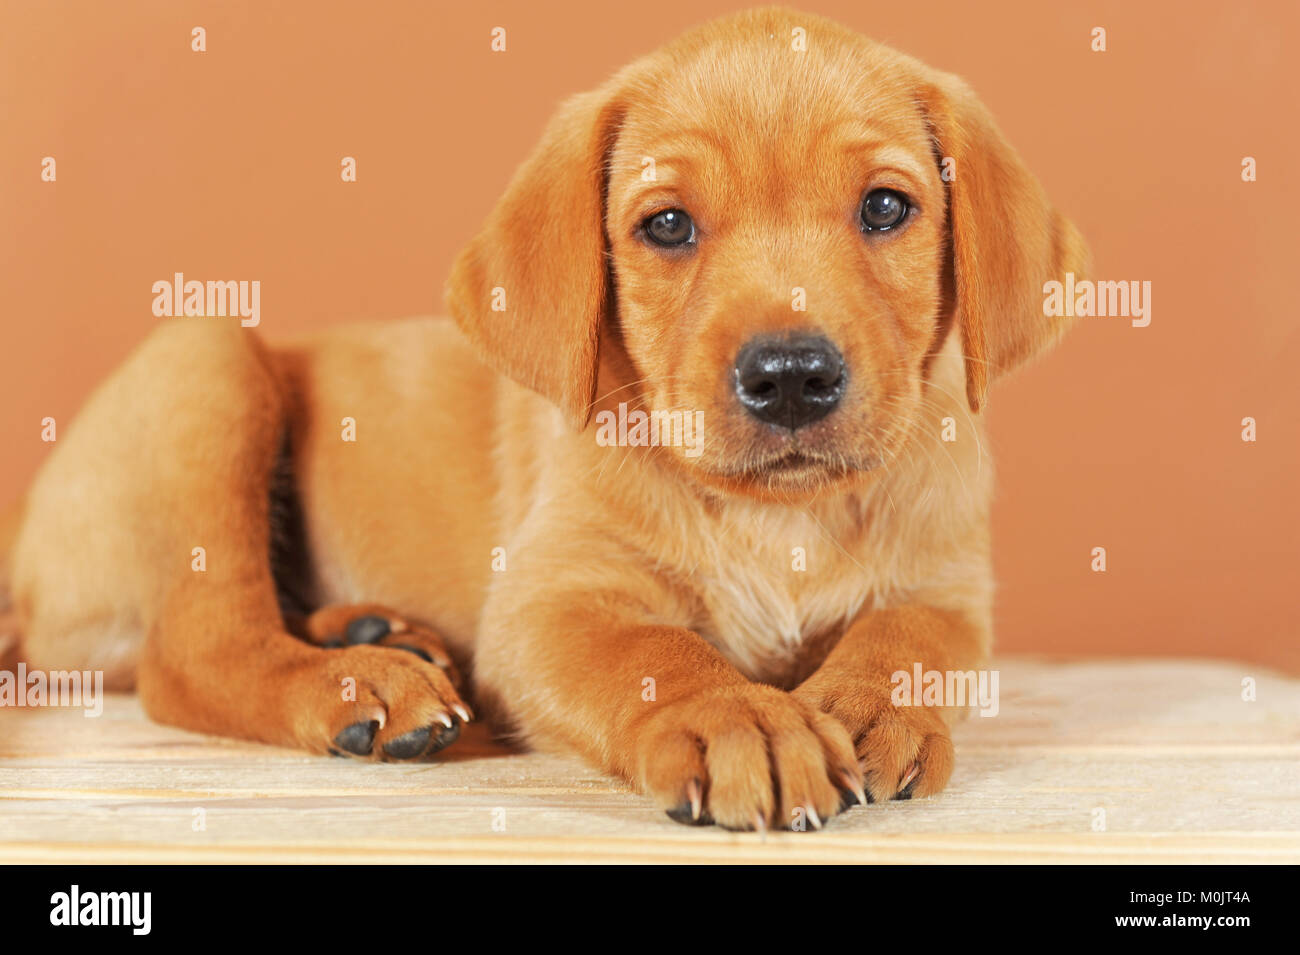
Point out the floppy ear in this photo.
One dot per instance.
(531, 289)
(1007, 240)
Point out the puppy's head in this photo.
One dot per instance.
(777, 223)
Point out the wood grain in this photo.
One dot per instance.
(1184, 769)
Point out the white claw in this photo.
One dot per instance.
(697, 807)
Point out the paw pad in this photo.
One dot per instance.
(358, 739)
(368, 629)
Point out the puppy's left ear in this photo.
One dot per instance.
(532, 288)
(1007, 240)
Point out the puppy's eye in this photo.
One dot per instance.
(883, 209)
(669, 228)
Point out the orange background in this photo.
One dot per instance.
(225, 165)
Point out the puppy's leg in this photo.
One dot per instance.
(592, 671)
(904, 751)
(220, 663)
(217, 656)
(175, 453)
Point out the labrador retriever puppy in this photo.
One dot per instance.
(697, 468)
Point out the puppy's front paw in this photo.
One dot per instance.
(903, 751)
(747, 757)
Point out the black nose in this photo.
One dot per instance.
(790, 382)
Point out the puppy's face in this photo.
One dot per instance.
(777, 233)
(752, 224)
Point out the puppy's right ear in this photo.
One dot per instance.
(532, 288)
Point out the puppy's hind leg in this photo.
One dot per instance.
(217, 656)
(196, 420)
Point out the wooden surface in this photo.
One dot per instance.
(1185, 770)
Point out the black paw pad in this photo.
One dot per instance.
(416, 650)
(358, 739)
(848, 799)
(683, 815)
(409, 745)
(446, 736)
(366, 630)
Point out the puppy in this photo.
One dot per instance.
(696, 469)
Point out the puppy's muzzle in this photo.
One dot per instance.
(790, 382)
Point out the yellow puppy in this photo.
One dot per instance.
(671, 487)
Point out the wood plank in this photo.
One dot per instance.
(1183, 768)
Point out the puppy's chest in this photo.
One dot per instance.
(776, 595)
